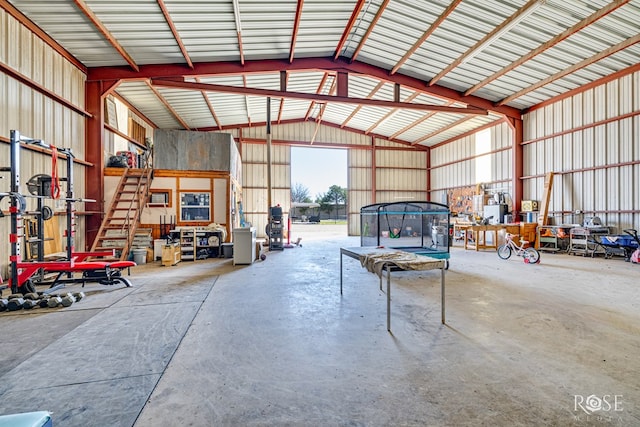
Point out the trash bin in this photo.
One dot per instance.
(140, 255)
(227, 250)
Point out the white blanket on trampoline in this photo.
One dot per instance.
(405, 260)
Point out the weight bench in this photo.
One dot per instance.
(103, 272)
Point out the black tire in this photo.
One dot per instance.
(504, 251)
(532, 255)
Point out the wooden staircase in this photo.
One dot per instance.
(119, 225)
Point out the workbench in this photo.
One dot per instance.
(475, 236)
(377, 260)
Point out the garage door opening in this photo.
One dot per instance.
(319, 179)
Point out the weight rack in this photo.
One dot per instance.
(18, 205)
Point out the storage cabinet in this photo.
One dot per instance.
(198, 243)
(244, 245)
(208, 243)
(171, 254)
(188, 243)
(583, 240)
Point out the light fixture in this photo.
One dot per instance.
(500, 31)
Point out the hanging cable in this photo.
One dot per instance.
(55, 181)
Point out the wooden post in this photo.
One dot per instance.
(543, 218)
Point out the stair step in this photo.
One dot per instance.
(122, 218)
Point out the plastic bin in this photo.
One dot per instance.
(227, 250)
(140, 256)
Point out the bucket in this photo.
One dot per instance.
(140, 256)
(227, 250)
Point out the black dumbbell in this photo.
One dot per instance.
(30, 303)
(15, 304)
(67, 300)
(54, 302)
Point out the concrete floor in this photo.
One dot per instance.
(274, 344)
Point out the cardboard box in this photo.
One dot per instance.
(529, 205)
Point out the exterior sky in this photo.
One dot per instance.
(318, 168)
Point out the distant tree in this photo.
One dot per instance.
(334, 197)
(300, 193)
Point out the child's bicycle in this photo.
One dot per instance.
(530, 255)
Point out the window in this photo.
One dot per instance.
(483, 163)
(195, 207)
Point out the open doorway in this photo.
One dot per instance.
(318, 192)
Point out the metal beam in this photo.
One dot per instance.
(41, 89)
(570, 70)
(37, 31)
(347, 30)
(174, 31)
(106, 33)
(94, 153)
(426, 35)
(296, 28)
(372, 25)
(509, 22)
(549, 44)
(303, 64)
(167, 105)
(314, 97)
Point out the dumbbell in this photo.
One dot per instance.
(67, 300)
(53, 302)
(15, 304)
(28, 304)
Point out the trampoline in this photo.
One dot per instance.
(421, 228)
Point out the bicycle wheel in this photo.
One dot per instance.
(532, 255)
(504, 251)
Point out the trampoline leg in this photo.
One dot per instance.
(388, 297)
(442, 287)
(341, 272)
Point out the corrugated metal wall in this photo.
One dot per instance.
(400, 174)
(591, 141)
(359, 186)
(254, 182)
(453, 165)
(38, 116)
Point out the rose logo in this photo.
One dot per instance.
(593, 403)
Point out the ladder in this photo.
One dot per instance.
(118, 228)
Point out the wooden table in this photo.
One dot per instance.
(383, 259)
(478, 234)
